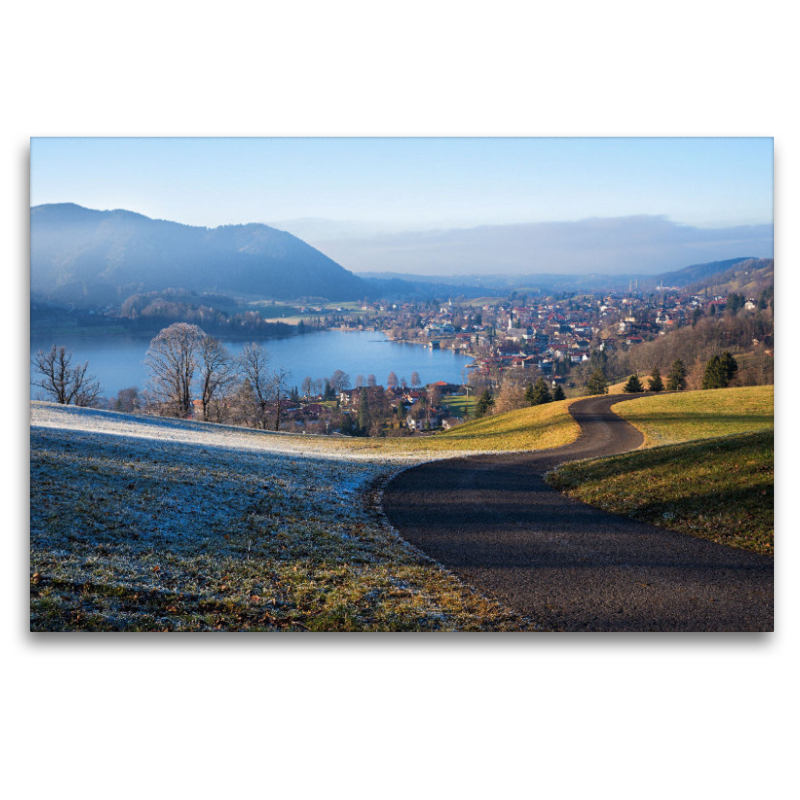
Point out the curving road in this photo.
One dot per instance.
(494, 522)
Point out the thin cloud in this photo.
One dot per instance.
(640, 244)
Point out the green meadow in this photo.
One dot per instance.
(706, 467)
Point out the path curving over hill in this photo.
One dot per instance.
(494, 522)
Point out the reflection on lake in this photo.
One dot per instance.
(118, 361)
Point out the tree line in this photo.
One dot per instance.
(695, 345)
(184, 361)
(515, 394)
(719, 373)
(193, 374)
(190, 374)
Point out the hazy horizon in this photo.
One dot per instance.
(622, 245)
(442, 205)
(614, 246)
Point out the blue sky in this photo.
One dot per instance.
(408, 184)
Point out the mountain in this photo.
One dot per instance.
(697, 272)
(83, 256)
(749, 277)
(477, 285)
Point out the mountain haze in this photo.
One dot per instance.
(700, 272)
(80, 255)
(637, 245)
(691, 276)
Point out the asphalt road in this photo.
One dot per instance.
(494, 522)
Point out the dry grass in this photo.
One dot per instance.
(533, 428)
(687, 416)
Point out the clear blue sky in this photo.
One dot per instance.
(413, 183)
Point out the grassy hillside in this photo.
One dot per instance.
(716, 489)
(143, 524)
(616, 388)
(686, 416)
(710, 475)
(459, 405)
(749, 277)
(534, 428)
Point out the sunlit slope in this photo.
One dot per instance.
(711, 474)
(533, 428)
(719, 489)
(687, 416)
(536, 427)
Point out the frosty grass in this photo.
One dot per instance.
(143, 523)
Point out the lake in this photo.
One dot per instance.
(118, 361)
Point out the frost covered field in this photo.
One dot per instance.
(142, 523)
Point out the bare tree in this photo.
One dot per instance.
(307, 386)
(434, 396)
(216, 371)
(241, 404)
(372, 380)
(127, 400)
(254, 367)
(391, 381)
(172, 361)
(359, 381)
(277, 390)
(63, 382)
(339, 380)
(415, 381)
(511, 397)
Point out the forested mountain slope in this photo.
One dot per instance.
(82, 255)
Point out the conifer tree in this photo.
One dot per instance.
(633, 385)
(558, 393)
(714, 376)
(541, 393)
(676, 380)
(720, 371)
(729, 365)
(656, 384)
(529, 394)
(485, 402)
(364, 417)
(597, 384)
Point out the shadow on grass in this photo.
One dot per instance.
(713, 417)
(742, 444)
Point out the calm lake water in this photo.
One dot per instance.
(118, 361)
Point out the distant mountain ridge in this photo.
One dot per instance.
(749, 277)
(82, 255)
(553, 282)
(698, 272)
(88, 257)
